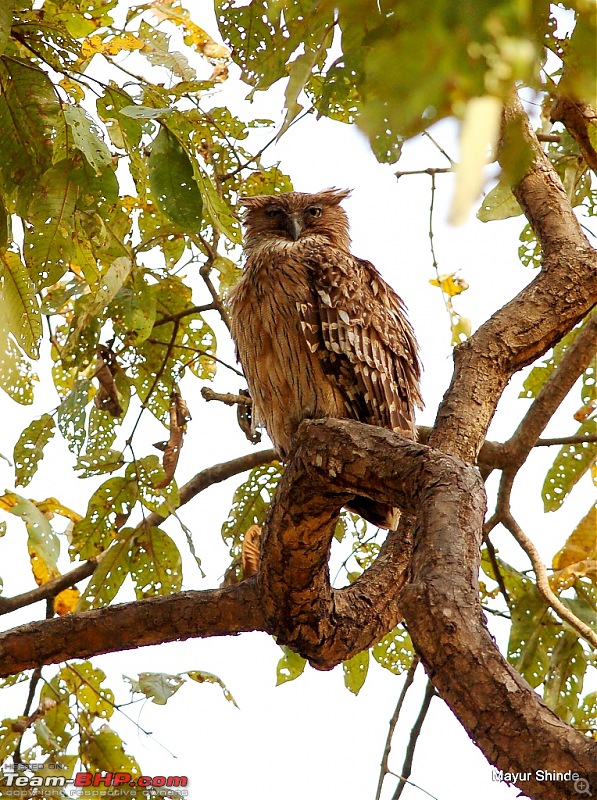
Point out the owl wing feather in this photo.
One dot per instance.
(357, 325)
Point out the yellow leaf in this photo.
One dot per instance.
(194, 35)
(73, 89)
(461, 328)
(8, 501)
(450, 284)
(565, 578)
(93, 45)
(66, 601)
(478, 137)
(581, 544)
(41, 571)
(51, 506)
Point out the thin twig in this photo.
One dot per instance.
(228, 398)
(543, 582)
(410, 675)
(186, 313)
(412, 742)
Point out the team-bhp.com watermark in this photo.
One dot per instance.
(90, 784)
(582, 785)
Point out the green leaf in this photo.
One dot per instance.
(564, 680)
(156, 564)
(133, 310)
(109, 574)
(158, 52)
(29, 116)
(95, 304)
(109, 504)
(144, 112)
(221, 214)
(19, 303)
(537, 377)
(71, 415)
(10, 735)
(570, 464)
(290, 666)
(395, 651)
(16, 375)
(172, 182)
(148, 474)
(98, 462)
(355, 671)
(250, 505)
(123, 129)
(105, 753)
(49, 238)
(6, 9)
(29, 448)
(86, 138)
(499, 203)
(42, 541)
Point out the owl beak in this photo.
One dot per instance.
(294, 226)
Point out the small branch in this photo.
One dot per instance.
(578, 118)
(227, 398)
(428, 171)
(564, 440)
(549, 137)
(412, 742)
(549, 596)
(49, 589)
(186, 313)
(410, 675)
(201, 481)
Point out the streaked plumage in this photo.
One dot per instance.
(318, 332)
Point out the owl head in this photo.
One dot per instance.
(296, 217)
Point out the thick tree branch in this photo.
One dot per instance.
(214, 612)
(537, 318)
(578, 118)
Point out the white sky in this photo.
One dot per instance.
(311, 737)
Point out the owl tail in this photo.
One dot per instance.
(376, 513)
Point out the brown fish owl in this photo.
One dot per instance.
(318, 331)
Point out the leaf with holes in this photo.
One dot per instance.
(355, 671)
(172, 182)
(156, 564)
(19, 303)
(29, 449)
(570, 464)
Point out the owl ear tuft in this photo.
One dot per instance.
(248, 202)
(335, 196)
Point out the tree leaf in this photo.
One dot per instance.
(156, 564)
(98, 462)
(478, 136)
(581, 544)
(172, 182)
(395, 651)
(290, 666)
(156, 686)
(570, 464)
(71, 415)
(109, 574)
(207, 677)
(19, 303)
(86, 138)
(48, 239)
(499, 203)
(29, 449)
(355, 671)
(108, 508)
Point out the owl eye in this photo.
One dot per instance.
(314, 211)
(272, 213)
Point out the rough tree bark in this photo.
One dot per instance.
(427, 571)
